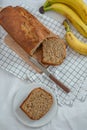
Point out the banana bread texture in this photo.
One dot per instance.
(54, 51)
(37, 104)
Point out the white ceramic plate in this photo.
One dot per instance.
(21, 95)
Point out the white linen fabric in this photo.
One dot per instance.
(67, 118)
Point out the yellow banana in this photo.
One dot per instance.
(69, 14)
(73, 42)
(77, 5)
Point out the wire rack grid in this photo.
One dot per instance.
(72, 72)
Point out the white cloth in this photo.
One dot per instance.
(67, 118)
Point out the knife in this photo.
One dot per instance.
(52, 77)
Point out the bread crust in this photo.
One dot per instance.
(23, 27)
(30, 112)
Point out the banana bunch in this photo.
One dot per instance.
(71, 13)
(73, 42)
(77, 5)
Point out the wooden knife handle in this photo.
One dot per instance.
(61, 85)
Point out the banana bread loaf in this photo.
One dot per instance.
(37, 104)
(29, 33)
(23, 27)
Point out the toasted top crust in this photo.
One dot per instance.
(23, 27)
(37, 104)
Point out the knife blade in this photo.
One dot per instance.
(52, 77)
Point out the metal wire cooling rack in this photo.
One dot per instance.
(72, 72)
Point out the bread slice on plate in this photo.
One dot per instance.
(37, 103)
(54, 51)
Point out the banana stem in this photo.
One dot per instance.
(43, 9)
(65, 23)
(47, 8)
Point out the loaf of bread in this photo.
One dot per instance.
(23, 27)
(37, 104)
(53, 51)
(30, 34)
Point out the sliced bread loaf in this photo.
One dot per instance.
(37, 104)
(23, 27)
(54, 51)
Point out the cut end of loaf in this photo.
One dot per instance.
(54, 51)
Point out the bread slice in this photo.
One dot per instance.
(37, 104)
(54, 51)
